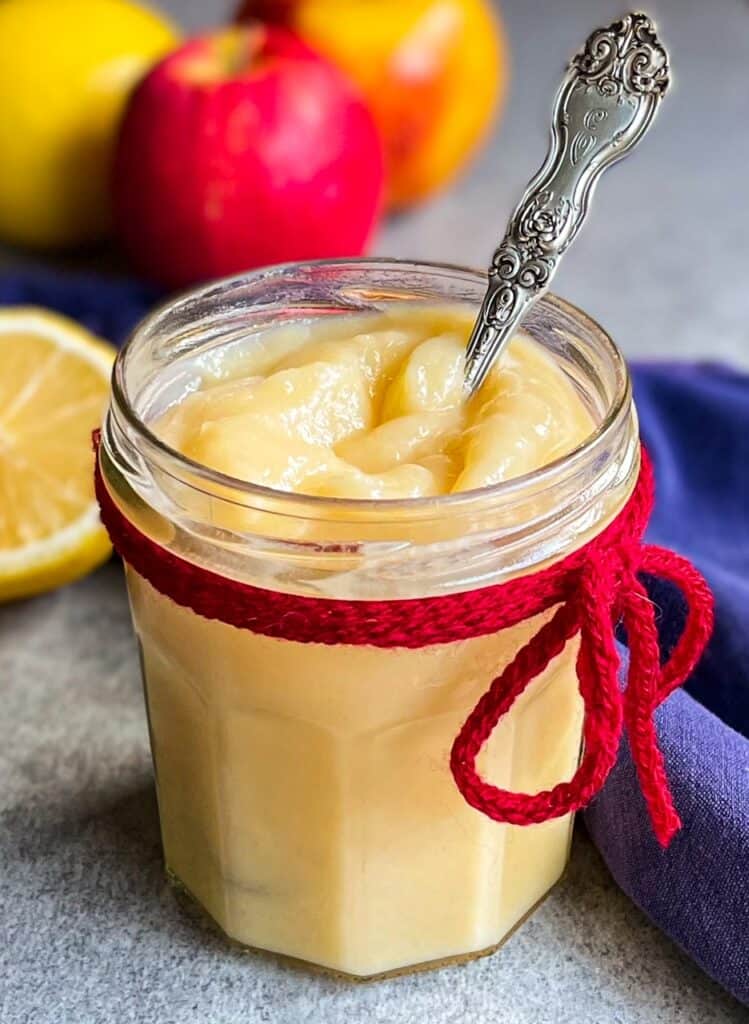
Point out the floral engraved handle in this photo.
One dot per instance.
(607, 101)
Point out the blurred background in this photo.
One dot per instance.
(661, 262)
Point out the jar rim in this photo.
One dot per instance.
(618, 406)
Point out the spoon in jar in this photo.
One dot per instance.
(606, 103)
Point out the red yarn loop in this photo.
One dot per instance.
(590, 590)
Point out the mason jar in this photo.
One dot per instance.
(304, 789)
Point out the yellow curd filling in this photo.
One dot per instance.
(378, 411)
(305, 794)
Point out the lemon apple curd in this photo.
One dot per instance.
(266, 430)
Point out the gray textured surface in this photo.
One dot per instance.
(89, 931)
(662, 261)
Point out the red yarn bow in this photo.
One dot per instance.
(590, 590)
(605, 590)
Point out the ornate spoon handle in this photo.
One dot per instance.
(607, 101)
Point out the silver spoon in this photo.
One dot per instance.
(606, 103)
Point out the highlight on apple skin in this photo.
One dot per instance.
(434, 73)
(244, 148)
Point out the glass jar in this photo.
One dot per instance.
(305, 794)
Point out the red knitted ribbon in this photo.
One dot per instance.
(591, 590)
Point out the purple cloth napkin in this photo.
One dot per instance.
(110, 307)
(695, 421)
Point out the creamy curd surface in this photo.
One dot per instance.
(304, 791)
(373, 407)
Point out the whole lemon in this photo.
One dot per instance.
(66, 70)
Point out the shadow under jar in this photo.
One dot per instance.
(305, 794)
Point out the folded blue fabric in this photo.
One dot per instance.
(695, 421)
(110, 307)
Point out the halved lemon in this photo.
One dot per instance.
(54, 382)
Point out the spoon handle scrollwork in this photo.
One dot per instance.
(606, 103)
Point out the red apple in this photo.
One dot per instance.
(244, 148)
(432, 71)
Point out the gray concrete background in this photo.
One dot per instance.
(664, 259)
(89, 931)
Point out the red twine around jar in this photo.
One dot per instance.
(591, 589)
